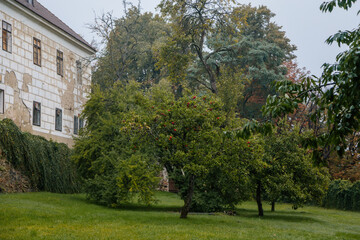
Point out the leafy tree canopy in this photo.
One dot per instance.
(289, 173)
(130, 45)
(190, 138)
(335, 92)
(112, 154)
(212, 38)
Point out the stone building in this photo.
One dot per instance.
(44, 75)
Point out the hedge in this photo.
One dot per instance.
(343, 195)
(46, 163)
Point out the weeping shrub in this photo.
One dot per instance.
(46, 163)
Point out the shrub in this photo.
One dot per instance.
(112, 153)
(46, 163)
(130, 178)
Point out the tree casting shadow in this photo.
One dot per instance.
(286, 216)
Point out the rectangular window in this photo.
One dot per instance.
(81, 123)
(37, 52)
(58, 119)
(2, 101)
(60, 63)
(76, 125)
(79, 72)
(6, 37)
(37, 114)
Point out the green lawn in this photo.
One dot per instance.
(57, 216)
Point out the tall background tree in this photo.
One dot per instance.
(130, 44)
(215, 39)
(263, 49)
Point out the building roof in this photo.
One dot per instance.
(44, 13)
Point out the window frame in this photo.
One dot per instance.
(76, 125)
(58, 119)
(60, 63)
(81, 123)
(2, 101)
(37, 51)
(6, 35)
(36, 111)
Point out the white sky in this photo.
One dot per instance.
(305, 25)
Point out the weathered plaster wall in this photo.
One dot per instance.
(25, 82)
(17, 110)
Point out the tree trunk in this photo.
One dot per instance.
(258, 199)
(178, 90)
(273, 206)
(187, 201)
(213, 84)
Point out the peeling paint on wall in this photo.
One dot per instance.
(26, 82)
(17, 110)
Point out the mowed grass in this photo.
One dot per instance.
(57, 216)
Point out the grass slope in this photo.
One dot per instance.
(57, 216)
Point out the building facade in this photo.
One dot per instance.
(45, 75)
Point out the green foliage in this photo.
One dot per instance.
(263, 48)
(112, 154)
(174, 58)
(135, 176)
(254, 127)
(343, 195)
(187, 132)
(289, 173)
(334, 93)
(210, 168)
(46, 163)
(132, 178)
(131, 42)
(194, 26)
(225, 45)
(131, 134)
(330, 5)
(230, 88)
(187, 129)
(229, 183)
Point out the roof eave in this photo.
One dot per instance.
(55, 28)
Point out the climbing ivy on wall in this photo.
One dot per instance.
(46, 163)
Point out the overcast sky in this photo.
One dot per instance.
(302, 21)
